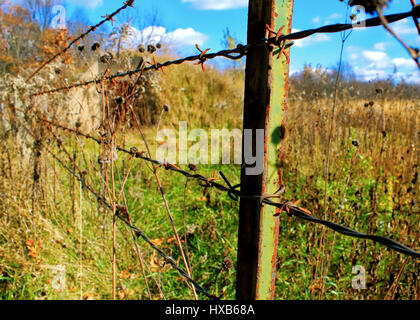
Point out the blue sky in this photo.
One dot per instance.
(371, 52)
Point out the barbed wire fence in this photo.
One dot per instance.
(111, 124)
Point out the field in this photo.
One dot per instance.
(75, 180)
(54, 225)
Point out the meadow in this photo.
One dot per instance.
(56, 240)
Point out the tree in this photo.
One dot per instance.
(17, 36)
(22, 43)
(41, 11)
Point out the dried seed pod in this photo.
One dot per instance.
(371, 103)
(141, 48)
(151, 48)
(166, 108)
(370, 5)
(107, 58)
(159, 46)
(118, 100)
(95, 46)
(81, 47)
(227, 263)
(104, 59)
(356, 143)
(122, 211)
(192, 167)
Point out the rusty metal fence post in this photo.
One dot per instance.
(266, 91)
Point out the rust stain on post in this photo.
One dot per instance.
(266, 91)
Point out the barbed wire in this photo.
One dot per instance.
(241, 50)
(291, 208)
(128, 3)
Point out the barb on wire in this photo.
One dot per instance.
(241, 50)
(128, 3)
(291, 208)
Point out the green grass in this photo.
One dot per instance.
(213, 219)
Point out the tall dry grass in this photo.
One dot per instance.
(48, 222)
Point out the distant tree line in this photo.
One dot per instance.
(318, 82)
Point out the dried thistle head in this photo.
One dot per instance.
(227, 263)
(95, 46)
(119, 100)
(107, 58)
(192, 167)
(151, 48)
(141, 48)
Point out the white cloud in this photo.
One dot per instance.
(404, 27)
(374, 59)
(218, 4)
(368, 74)
(404, 63)
(335, 16)
(178, 38)
(371, 65)
(316, 19)
(91, 4)
(381, 46)
(330, 19)
(306, 42)
(186, 37)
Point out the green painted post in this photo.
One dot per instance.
(266, 92)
